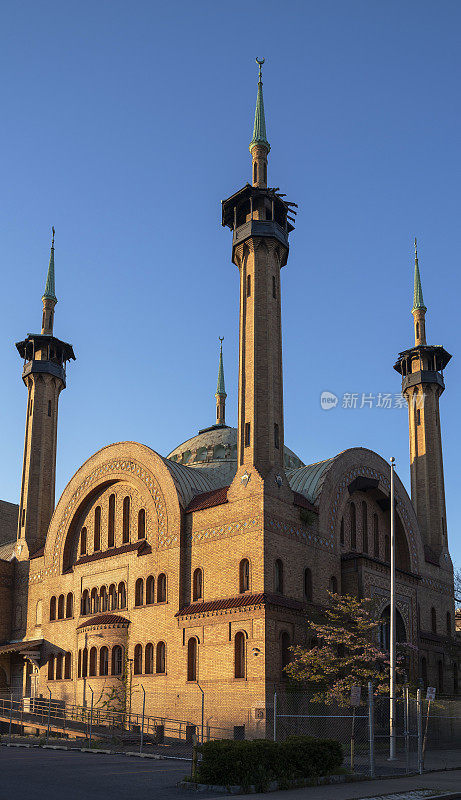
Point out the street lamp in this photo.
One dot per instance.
(392, 731)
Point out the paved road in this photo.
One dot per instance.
(71, 775)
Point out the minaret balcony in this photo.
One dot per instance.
(256, 227)
(47, 367)
(422, 377)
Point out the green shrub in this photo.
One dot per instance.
(257, 763)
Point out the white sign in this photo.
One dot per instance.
(430, 694)
(355, 695)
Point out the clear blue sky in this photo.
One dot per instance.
(125, 125)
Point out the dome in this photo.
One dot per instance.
(215, 449)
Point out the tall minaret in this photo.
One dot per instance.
(44, 375)
(221, 391)
(422, 368)
(258, 218)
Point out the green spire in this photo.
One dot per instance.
(259, 130)
(221, 389)
(418, 302)
(49, 293)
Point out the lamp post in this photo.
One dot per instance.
(392, 738)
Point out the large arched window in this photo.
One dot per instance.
(69, 606)
(433, 620)
(51, 667)
(94, 601)
(121, 595)
(61, 603)
(93, 661)
(192, 659)
(85, 662)
(104, 661)
(375, 536)
(126, 520)
(117, 660)
(149, 659)
(112, 597)
(160, 658)
(97, 528)
(111, 522)
(364, 527)
(137, 661)
(139, 592)
(353, 525)
(141, 524)
(52, 609)
(278, 576)
(59, 667)
(244, 576)
(68, 666)
(239, 655)
(285, 654)
(307, 584)
(150, 590)
(161, 588)
(83, 542)
(424, 671)
(197, 584)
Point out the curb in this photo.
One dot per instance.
(274, 786)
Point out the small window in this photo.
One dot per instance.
(103, 599)
(353, 524)
(364, 527)
(375, 536)
(112, 597)
(418, 416)
(52, 609)
(149, 659)
(104, 661)
(308, 584)
(150, 590)
(278, 577)
(265, 171)
(79, 667)
(61, 602)
(161, 588)
(276, 436)
(97, 528)
(192, 659)
(341, 532)
(68, 666)
(85, 662)
(417, 330)
(244, 576)
(160, 659)
(433, 620)
(121, 595)
(139, 592)
(83, 542)
(51, 667)
(137, 661)
(274, 287)
(247, 434)
(69, 606)
(334, 584)
(111, 522)
(93, 661)
(255, 172)
(248, 285)
(126, 520)
(141, 524)
(49, 408)
(239, 655)
(197, 585)
(94, 601)
(85, 602)
(117, 660)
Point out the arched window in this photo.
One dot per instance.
(255, 172)
(52, 609)
(160, 659)
(103, 599)
(455, 678)
(387, 548)
(433, 620)
(244, 576)
(51, 667)
(93, 659)
(440, 675)
(117, 660)
(85, 602)
(161, 588)
(126, 520)
(364, 527)
(104, 661)
(150, 590)
(141, 524)
(334, 584)
(248, 285)
(192, 659)
(85, 662)
(417, 330)
(121, 595)
(79, 668)
(197, 585)
(448, 623)
(375, 536)
(112, 597)
(59, 667)
(69, 606)
(61, 606)
(308, 584)
(384, 629)
(341, 532)
(111, 522)
(353, 524)
(68, 666)
(139, 592)
(38, 613)
(149, 659)
(94, 601)
(424, 672)
(239, 655)
(278, 577)
(137, 661)
(83, 542)
(285, 651)
(97, 528)
(265, 171)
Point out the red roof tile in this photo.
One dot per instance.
(141, 546)
(237, 602)
(104, 619)
(208, 499)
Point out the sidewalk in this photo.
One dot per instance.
(439, 782)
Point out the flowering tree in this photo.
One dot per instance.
(346, 652)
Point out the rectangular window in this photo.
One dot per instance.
(276, 436)
(247, 434)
